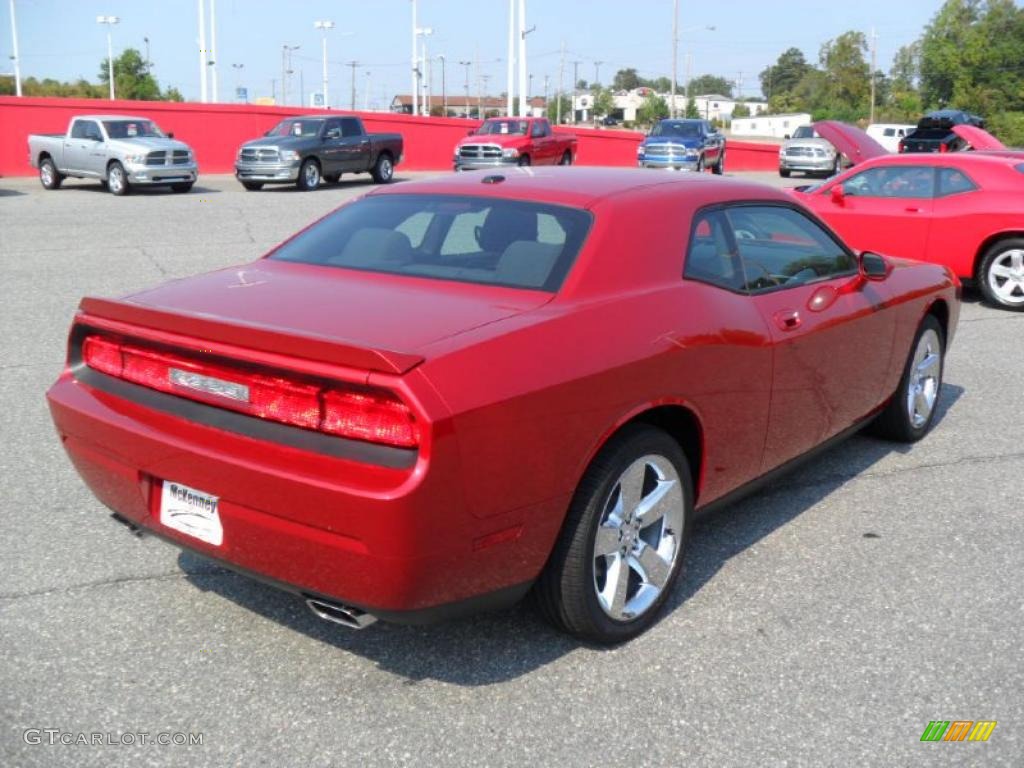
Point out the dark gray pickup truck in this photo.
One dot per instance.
(307, 149)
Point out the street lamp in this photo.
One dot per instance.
(110, 21)
(323, 26)
(467, 65)
(238, 80)
(424, 72)
(676, 32)
(14, 54)
(444, 88)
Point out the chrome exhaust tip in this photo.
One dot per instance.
(346, 615)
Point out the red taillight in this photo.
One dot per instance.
(943, 147)
(902, 147)
(374, 416)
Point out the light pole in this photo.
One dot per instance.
(353, 64)
(523, 32)
(444, 88)
(366, 93)
(467, 65)
(203, 53)
(149, 63)
(14, 55)
(286, 69)
(110, 21)
(323, 26)
(415, 65)
(212, 58)
(238, 80)
(675, 41)
(422, 71)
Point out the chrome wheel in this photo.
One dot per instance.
(1006, 277)
(925, 378)
(115, 180)
(638, 538)
(386, 169)
(311, 175)
(46, 174)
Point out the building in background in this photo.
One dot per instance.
(769, 126)
(460, 106)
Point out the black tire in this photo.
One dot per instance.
(309, 175)
(837, 167)
(566, 592)
(700, 164)
(117, 179)
(895, 422)
(384, 169)
(524, 160)
(49, 176)
(332, 178)
(566, 158)
(253, 186)
(185, 186)
(719, 168)
(784, 172)
(1012, 295)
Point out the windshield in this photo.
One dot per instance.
(463, 239)
(503, 127)
(131, 129)
(686, 130)
(804, 132)
(296, 127)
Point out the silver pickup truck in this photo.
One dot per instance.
(121, 151)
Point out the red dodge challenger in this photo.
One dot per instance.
(446, 393)
(961, 209)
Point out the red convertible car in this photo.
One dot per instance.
(961, 209)
(446, 393)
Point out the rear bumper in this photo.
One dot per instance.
(396, 542)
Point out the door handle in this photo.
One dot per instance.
(787, 319)
(912, 209)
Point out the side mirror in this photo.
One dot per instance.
(874, 266)
(838, 195)
(170, 134)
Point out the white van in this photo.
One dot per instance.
(889, 134)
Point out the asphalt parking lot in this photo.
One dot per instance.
(823, 622)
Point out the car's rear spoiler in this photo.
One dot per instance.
(261, 338)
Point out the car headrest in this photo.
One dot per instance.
(504, 225)
(374, 246)
(527, 263)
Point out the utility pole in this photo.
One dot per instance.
(561, 83)
(14, 56)
(415, 64)
(467, 65)
(444, 88)
(353, 64)
(523, 82)
(213, 50)
(546, 97)
(874, 48)
(510, 87)
(597, 74)
(149, 62)
(366, 93)
(286, 69)
(479, 87)
(323, 26)
(675, 52)
(203, 56)
(423, 71)
(483, 114)
(110, 21)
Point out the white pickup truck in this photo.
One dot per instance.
(121, 151)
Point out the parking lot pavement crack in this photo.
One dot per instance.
(154, 261)
(113, 582)
(840, 477)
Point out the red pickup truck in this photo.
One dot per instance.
(515, 141)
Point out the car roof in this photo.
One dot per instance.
(981, 159)
(582, 187)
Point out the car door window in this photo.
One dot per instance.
(539, 131)
(953, 182)
(350, 127)
(916, 181)
(780, 247)
(711, 257)
(86, 129)
(333, 129)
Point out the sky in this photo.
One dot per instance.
(61, 39)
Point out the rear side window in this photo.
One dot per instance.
(464, 239)
(781, 248)
(711, 257)
(953, 182)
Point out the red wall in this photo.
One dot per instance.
(215, 131)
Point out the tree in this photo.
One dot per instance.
(652, 110)
(626, 80)
(847, 84)
(581, 84)
(132, 79)
(711, 84)
(603, 100)
(659, 84)
(785, 73)
(566, 107)
(906, 67)
(741, 110)
(691, 110)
